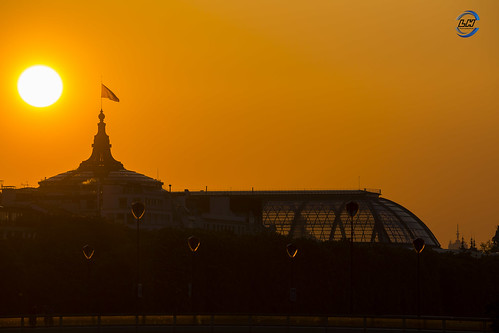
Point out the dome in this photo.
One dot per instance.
(80, 179)
(321, 215)
(99, 167)
(102, 187)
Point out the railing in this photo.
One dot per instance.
(223, 320)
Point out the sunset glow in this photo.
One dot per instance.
(268, 95)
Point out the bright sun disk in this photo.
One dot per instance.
(39, 86)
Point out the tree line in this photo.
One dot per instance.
(232, 274)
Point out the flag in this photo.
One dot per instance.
(106, 93)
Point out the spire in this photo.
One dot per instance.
(101, 161)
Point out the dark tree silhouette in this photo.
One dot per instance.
(234, 274)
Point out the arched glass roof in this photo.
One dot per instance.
(378, 219)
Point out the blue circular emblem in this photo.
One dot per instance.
(466, 24)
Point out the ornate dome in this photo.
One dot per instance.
(100, 166)
(101, 187)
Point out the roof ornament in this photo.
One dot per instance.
(101, 162)
(102, 116)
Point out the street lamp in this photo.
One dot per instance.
(193, 242)
(352, 208)
(418, 247)
(88, 253)
(138, 210)
(292, 251)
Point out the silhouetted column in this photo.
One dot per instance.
(419, 245)
(352, 208)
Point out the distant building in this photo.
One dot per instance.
(100, 186)
(319, 215)
(458, 243)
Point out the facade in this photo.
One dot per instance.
(101, 186)
(18, 222)
(319, 215)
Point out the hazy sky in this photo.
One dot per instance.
(269, 94)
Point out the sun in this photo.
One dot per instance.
(39, 86)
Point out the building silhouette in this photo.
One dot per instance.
(319, 215)
(458, 243)
(101, 186)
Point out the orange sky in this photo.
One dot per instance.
(272, 94)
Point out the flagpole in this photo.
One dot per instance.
(101, 92)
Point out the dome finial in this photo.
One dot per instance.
(101, 116)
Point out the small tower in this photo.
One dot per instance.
(457, 244)
(463, 244)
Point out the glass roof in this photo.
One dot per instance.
(378, 220)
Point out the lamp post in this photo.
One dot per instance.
(88, 253)
(138, 210)
(292, 251)
(418, 247)
(352, 208)
(193, 242)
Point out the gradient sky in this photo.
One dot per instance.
(269, 94)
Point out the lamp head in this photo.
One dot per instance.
(138, 210)
(292, 250)
(352, 208)
(418, 245)
(88, 251)
(193, 243)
